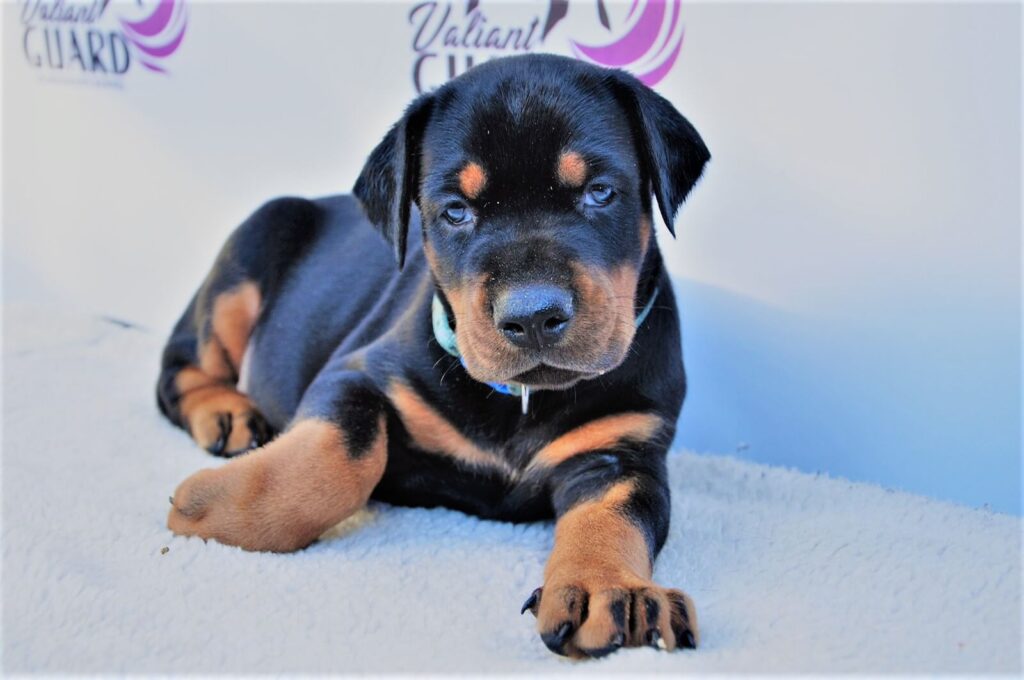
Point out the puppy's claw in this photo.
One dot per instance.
(556, 641)
(654, 639)
(224, 426)
(260, 429)
(531, 602)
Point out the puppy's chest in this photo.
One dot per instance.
(495, 462)
(476, 448)
(515, 449)
(442, 465)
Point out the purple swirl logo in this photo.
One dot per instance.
(157, 35)
(450, 36)
(100, 39)
(649, 44)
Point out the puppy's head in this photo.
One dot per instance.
(533, 177)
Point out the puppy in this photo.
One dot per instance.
(521, 362)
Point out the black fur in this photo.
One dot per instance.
(389, 184)
(673, 153)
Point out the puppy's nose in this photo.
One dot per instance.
(533, 316)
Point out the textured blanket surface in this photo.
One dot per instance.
(790, 572)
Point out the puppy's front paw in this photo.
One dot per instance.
(593, 619)
(201, 505)
(225, 504)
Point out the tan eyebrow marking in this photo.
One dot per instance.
(572, 169)
(472, 179)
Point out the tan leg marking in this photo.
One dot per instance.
(598, 581)
(603, 433)
(191, 378)
(572, 169)
(221, 419)
(232, 317)
(281, 497)
(430, 431)
(595, 537)
(472, 180)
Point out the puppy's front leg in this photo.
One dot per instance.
(283, 496)
(598, 594)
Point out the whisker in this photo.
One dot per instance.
(448, 370)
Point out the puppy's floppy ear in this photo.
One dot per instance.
(389, 182)
(670, 148)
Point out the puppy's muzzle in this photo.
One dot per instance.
(534, 316)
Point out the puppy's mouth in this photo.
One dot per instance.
(553, 369)
(545, 377)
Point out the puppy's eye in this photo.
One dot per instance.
(598, 194)
(458, 215)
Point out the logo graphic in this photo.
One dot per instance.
(447, 41)
(649, 46)
(449, 37)
(74, 38)
(158, 35)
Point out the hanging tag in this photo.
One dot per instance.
(526, 398)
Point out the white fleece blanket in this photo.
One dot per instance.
(791, 572)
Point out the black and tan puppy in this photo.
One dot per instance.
(524, 363)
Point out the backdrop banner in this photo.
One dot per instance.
(848, 269)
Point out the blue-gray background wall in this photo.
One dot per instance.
(849, 268)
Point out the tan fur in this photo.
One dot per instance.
(603, 433)
(431, 256)
(203, 407)
(596, 543)
(572, 169)
(430, 431)
(645, 236)
(283, 496)
(472, 180)
(191, 378)
(623, 285)
(208, 391)
(213, 360)
(604, 323)
(232, 317)
(485, 351)
(601, 557)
